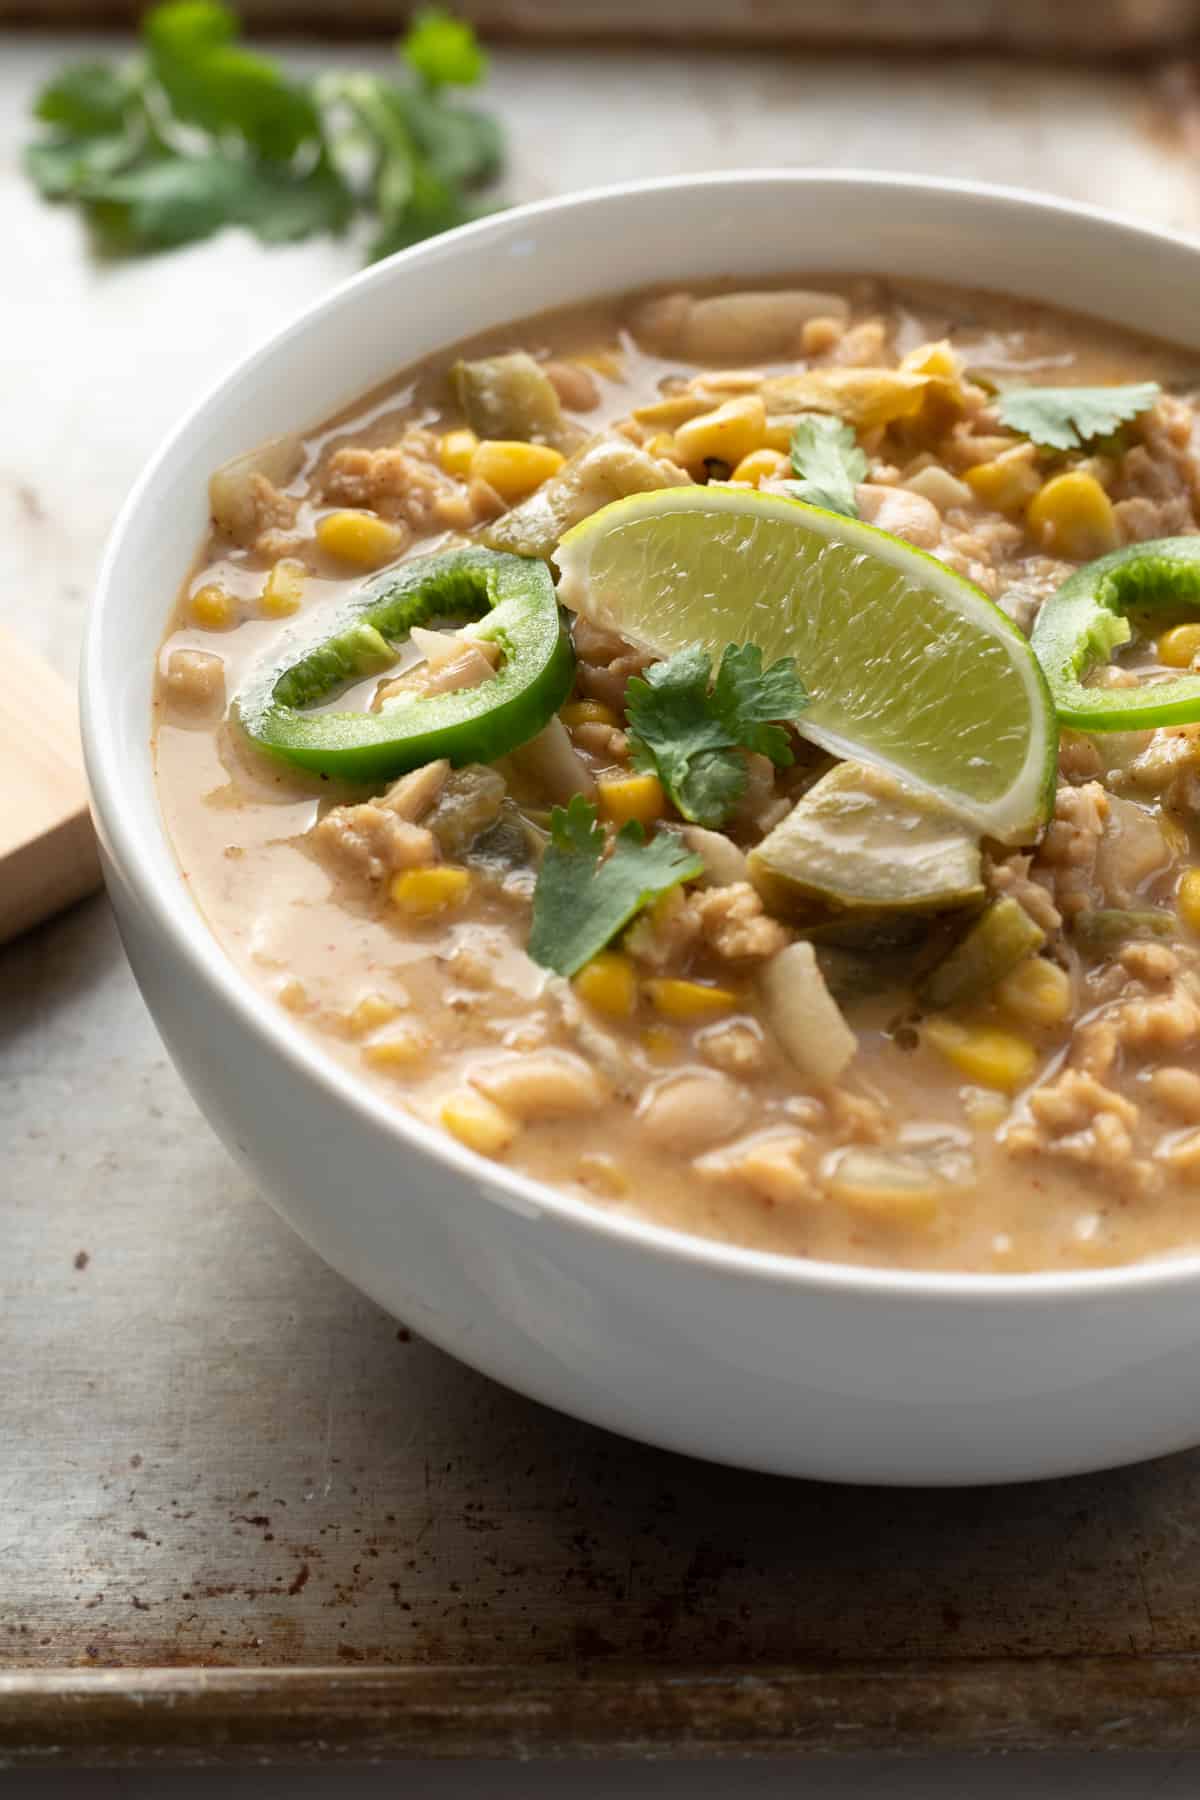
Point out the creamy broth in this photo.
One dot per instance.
(701, 1120)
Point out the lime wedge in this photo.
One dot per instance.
(907, 665)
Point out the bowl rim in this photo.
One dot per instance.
(189, 936)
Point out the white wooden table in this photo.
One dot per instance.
(97, 362)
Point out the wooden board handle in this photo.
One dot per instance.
(47, 847)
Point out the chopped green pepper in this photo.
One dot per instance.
(512, 397)
(474, 724)
(1002, 936)
(1084, 622)
(1110, 925)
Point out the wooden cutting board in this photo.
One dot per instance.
(47, 849)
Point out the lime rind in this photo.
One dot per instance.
(909, 665)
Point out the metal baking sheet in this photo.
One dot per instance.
(244, 1513)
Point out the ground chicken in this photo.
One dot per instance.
(396, 481)
(605, 664)
(1077, 1118)
(1012, 876)
(728, 921)
(381, 836)
(195, 681)
(856, 1118)
(371, 842)
(1067, 856)
(734, 1046)
(1169, 767)
(269, 526)
(1078, 758)
(1157, 488)
(1149, 962)
(734, 925)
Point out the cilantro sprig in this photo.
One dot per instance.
(688, 732)
(198, 132)
(583, 899)
(827, 464)
(1068, 418)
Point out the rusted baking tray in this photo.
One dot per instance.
(1102, 28)
(243, 1514)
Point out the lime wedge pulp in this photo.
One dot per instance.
(907, 664)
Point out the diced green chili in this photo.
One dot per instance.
(1001, 937)
(1085, 621)
(1108, 925)
(511, 397)
(514, 596)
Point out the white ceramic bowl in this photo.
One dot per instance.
(802, 1368)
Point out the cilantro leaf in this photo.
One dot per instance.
(89, 99)
(581, 902)
(1067, 418)
(212, 81)
(64, 168)
(689, 736)
(461, 144)
(827, 462)
(443, 51)
(750, 700)
(201, 133)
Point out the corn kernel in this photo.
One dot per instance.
(609, 984)
(294, 995)
(935, 358)
(671, 410)
(677, 999)
(283, 590)
(728, 434)
(587, 712)
(1187, 898)
(885, 1203)
(608, 363)
(1036, 991)
(372, 1011)
(403, 1048)
(1073, 516)
(212, 608)
(422, 893)
(986, 1109)
(762, 465)
(478, 1122)
(1179, 647)
(1008, 483)
(624, 797)
(361, 538)
(821, 334)
(994, 1059)
(660, 1043)
(456, 449)
(603, 1174)
(513, 469)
